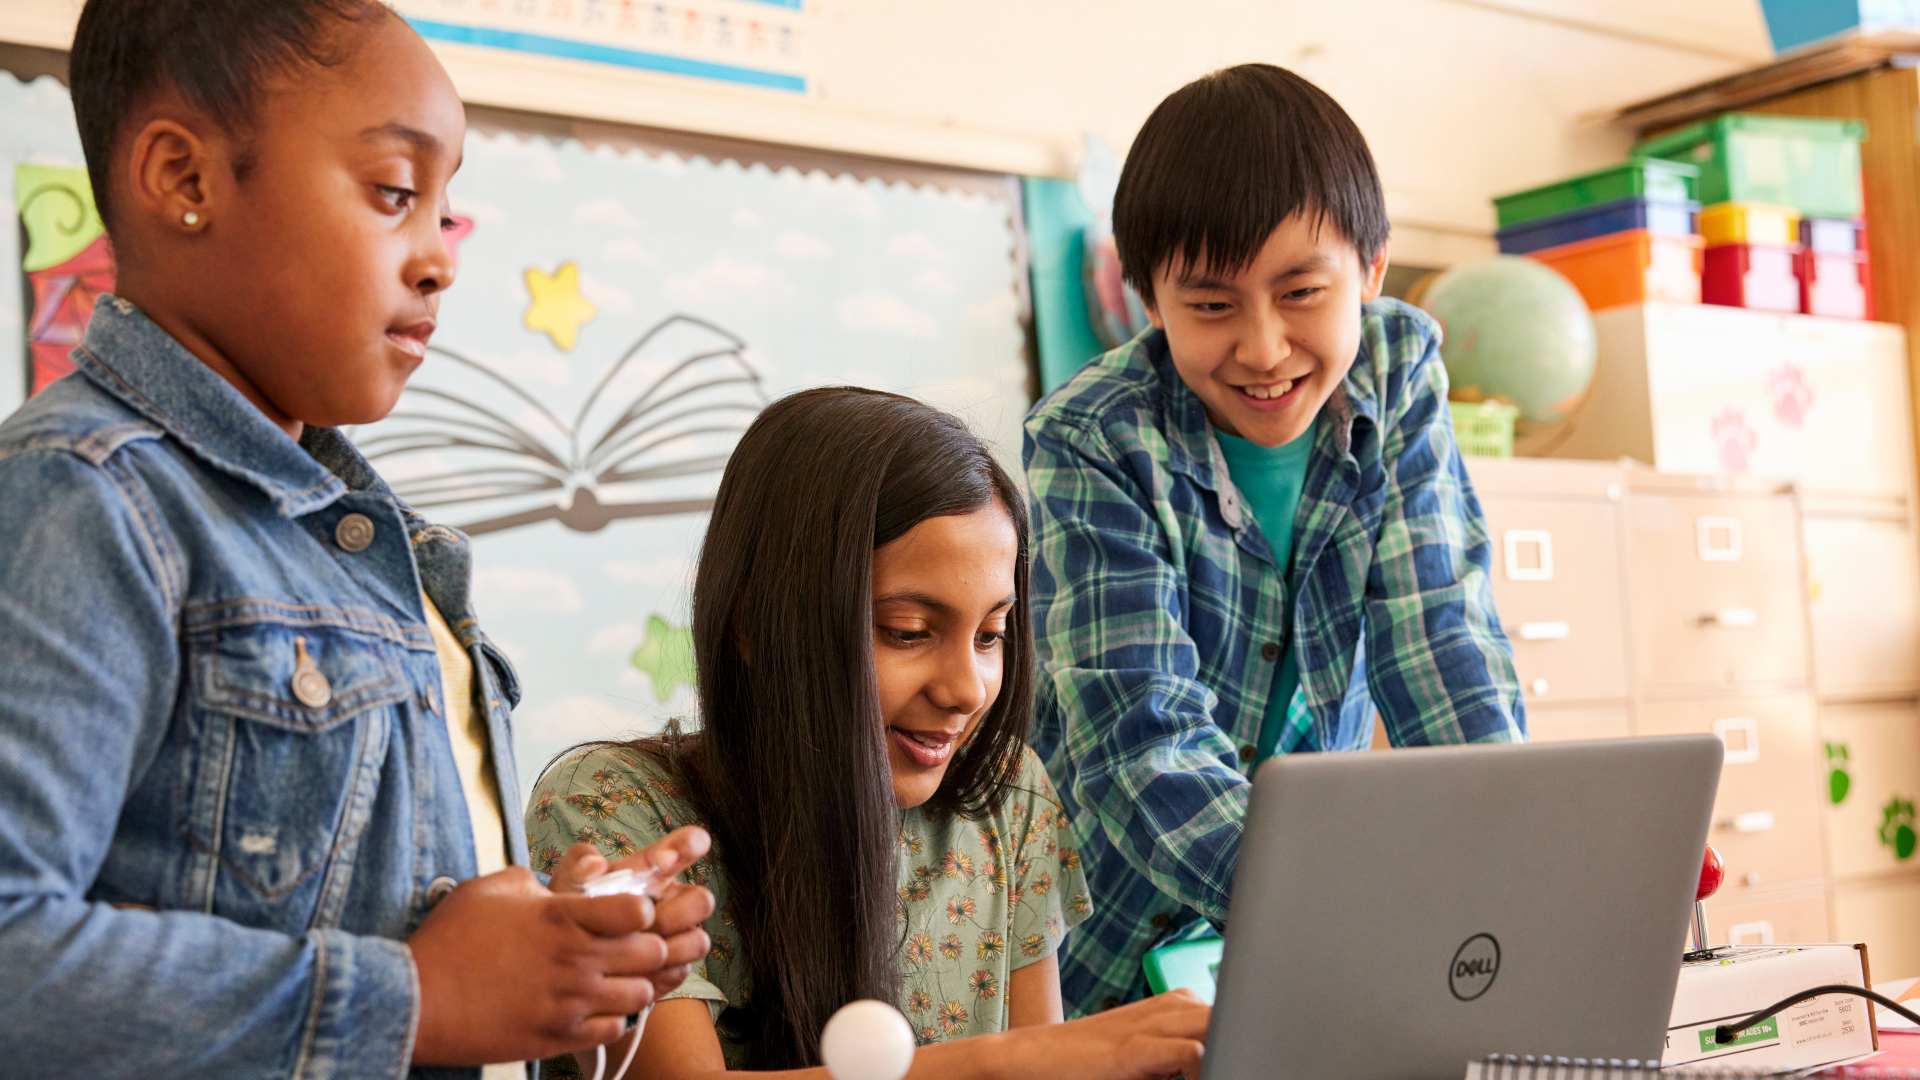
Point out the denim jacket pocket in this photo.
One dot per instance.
(291, 711)
(504, 676)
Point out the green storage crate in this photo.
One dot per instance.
(1809, 163)
(1483, 428)
(1662, 181)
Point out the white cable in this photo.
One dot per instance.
(600, 1052)
(646, 884)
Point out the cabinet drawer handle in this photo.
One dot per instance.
(1544, 631)
(1761, 931)
(1529, 554)
(1717, 539)
(1750, 822)
(1733, 618)
(1741, 734)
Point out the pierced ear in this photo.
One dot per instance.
(168, 166)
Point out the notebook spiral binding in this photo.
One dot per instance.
(1545, 1067)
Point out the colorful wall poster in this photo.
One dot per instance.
(67, 264)
(36, 135)
(616, 321)
(745, 42)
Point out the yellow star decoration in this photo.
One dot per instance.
(557, 309)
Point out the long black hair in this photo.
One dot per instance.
(789, 768)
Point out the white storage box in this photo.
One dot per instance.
(1806, 1035)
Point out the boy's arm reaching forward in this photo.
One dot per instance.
(1109, 608)
(1439, 667)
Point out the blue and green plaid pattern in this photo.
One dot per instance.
(1158, 616)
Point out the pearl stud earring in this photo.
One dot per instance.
(190, 218)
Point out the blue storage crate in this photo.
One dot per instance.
(1792, 23)
(1671, 218)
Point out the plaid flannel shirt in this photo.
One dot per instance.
(1159, 619)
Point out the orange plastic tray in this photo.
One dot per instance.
(1630, 267)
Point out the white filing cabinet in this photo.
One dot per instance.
(1823, 404)
(1871, 762)
(1863, 592)
(1716, 591)
(1555, 531)
(1646, 603)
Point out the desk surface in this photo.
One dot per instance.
(1898, 1050)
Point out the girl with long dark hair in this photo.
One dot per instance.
(880, 829)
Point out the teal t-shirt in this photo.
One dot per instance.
(1270, 479)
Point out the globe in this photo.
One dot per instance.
(1515, 332)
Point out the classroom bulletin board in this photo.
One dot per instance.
(617, 319)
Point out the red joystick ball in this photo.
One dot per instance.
(1712, 873)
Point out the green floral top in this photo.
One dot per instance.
(979, 898)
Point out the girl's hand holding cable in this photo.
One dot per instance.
(680, 908)
(511, 971)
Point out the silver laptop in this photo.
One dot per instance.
(1398, 914)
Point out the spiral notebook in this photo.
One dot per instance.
(1531, 1067)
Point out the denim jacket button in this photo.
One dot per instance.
(438, 890)
(354, 533)
(309, 685)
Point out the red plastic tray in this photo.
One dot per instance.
(1751, 276)
(1837, 286)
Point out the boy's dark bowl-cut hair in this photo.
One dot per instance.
(219, 55)
(789, 767)
(1228, 157)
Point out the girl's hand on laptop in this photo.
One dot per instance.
(1161, 1036)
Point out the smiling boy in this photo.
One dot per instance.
(1252, 525)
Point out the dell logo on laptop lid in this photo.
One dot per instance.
(1475, 964)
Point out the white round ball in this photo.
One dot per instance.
(867, 1040)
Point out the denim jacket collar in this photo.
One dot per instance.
(131, 357)
(1195, 451)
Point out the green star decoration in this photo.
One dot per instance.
(666, 656)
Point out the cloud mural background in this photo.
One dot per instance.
(618, 318)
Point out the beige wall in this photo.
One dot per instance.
(1462, 99)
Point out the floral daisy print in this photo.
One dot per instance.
(978, 899)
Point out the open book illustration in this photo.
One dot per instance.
(650, 439)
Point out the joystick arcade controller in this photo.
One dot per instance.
(1712, 873)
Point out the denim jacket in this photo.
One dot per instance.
(210, 855)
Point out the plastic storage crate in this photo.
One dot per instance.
(1751, 276)
(1836, 285)
(1833, 236)
(1810, 164)
(1629, 268)
(1483, 428)
(1750, 223)
(1622, 215)
(1661, 181)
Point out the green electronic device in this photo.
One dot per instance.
(1191, 963)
